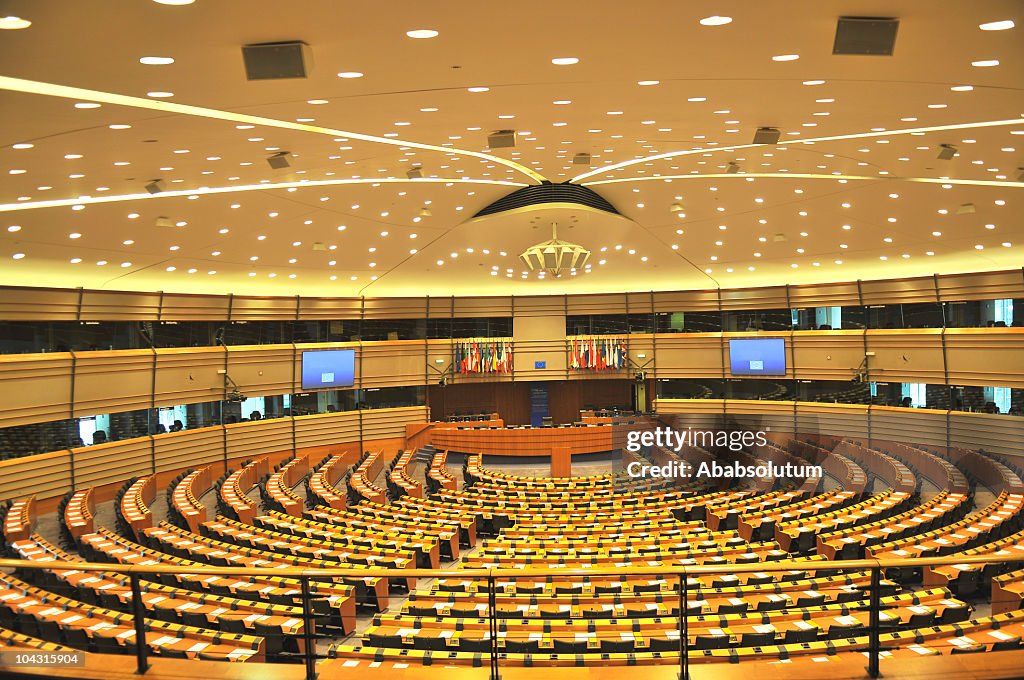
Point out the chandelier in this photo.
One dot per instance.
(555, 256)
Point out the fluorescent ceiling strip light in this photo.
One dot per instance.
(859, 135)
(201, 191)
(77, 93)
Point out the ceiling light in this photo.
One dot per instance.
(715, 20)
(87, 105)
(156, 61)
(565, 61)
(159, 94)
(174, 2)
(648, 82)
(984, 63)
(962, 88)
(14, 23)
(422, 33)
(814, 82)
(997, 25)
(785, 57)
(554, 256)
(18, 256)
(350, 74)
(22, 145)
(478, 89)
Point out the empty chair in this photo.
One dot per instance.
(617, 646)
(757, 639)
(521, 646)
(921, 619)
(76, 637)
(968, 649)
(800, 635)
(232, 624)
(711, 641)
(563, 646)
(475, 645)
(1006, 645)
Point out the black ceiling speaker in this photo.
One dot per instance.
(766, 135)
(155, 186)
(866, 36)
(501, 139)
(277, 60)
(279, 160)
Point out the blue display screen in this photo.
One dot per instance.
(760, 356)
(328, 368)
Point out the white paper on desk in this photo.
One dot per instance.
(626, 636)
(72, 619)
(536, 636)
(198, 647)
(764, 628)
(350, 663)
(999, 635)
(447, 633)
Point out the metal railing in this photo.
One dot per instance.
(491, 576)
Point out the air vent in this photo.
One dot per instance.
(549, 193)
(865, 36)
(277, 60)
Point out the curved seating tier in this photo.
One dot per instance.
(323, 481)
(232, 492)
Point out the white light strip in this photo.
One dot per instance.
(859, 135)
(53, 90)
(89, 200)
(800, 175)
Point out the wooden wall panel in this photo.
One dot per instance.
(983, 286)
(327, 429)
(540, 305)
(189, 448)
(189, 375)
(188, 307)
(510, 400)
(481, 307)
(690, 355)
(920, 426)
(567, 398)
(112, 381)
(844, 420)
(26, 303)
(392, 364)
(638, 303)
(606, 303)
(115, 305)
(265, 369)
(906, 355)
(773, 297)
(978, 356)
(330, 308)
(255, 308)
(996, 433)
(687, 301)
(826, 355)
(700, 414)
(48, 474)
(389, 423)
(395, 308)
(259, 437)
(756, 416)
(899, 291)
(113, 462)
(34, 388)
(843, 294)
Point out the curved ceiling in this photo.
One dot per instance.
(666, 106)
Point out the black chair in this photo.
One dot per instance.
(711, 642)
(797, 636)
(757, 639)
(968, 649)
(231, 624)
(617, 647)
(1006, 645)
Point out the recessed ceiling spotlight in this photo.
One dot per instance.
(715, 20)
(814, 82)
(87, 105)
(422, 33)
(648, 82)
(478, 89)
(962, 88)
(350, 74)
(156, 61)
(997, 25)
(22, 145)
(14, 23)
(565, 61)
(785, 57)
(175, 3)
(985, 63)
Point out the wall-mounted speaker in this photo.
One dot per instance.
(277, 60)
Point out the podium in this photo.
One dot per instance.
(561, 461)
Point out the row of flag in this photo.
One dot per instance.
(483, 356)
(598, 353)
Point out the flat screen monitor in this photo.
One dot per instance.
(323, 369)
(758, 356)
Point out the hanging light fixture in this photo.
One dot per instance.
(555, 256)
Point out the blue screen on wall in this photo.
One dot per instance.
(322, 369)
(759, 356)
